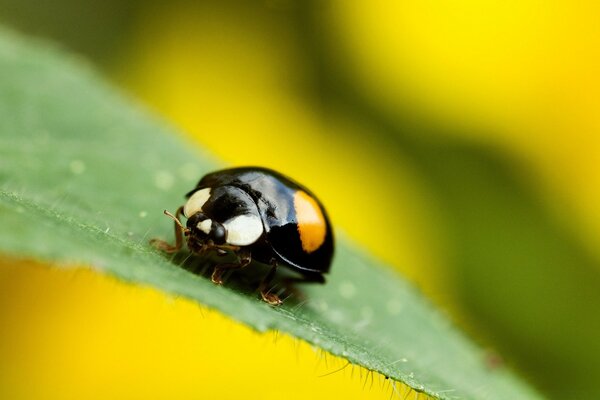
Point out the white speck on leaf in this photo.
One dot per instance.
(402, 360)
(189, 172)
(366, 315)
(347, 289)
(321, 305)
(143, 214)
(336, 316)
(77, 167)
(394, 306)
(164, 180)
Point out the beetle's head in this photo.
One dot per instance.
(221, 217)
(205, 230)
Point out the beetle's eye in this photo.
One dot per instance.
(217, 233)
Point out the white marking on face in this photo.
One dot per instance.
(195, 202)
(243, 229)
(205, 225)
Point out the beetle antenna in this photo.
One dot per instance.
(174, 218)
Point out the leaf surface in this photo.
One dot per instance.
(85, 174)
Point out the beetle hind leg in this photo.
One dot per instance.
(220, 269)
(265, 292)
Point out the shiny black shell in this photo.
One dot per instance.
(273, 193)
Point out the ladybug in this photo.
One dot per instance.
(257, 214)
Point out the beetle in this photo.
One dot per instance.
(257, 214)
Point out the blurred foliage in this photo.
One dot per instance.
(93, 28)
(73, 194)
(488, 112)
(77, 334)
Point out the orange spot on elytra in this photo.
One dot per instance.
(311, 222)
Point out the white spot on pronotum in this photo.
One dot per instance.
(347, 289)
(394, 306)
(243, 229)
(143, 214)
(195, 202)
(205, 225)
(164, 180)
(189, 171)
(77, 167)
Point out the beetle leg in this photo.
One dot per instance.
(166, 247)
(225, 247)
(265, 293)
(244, 259)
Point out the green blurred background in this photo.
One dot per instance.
(458, 141)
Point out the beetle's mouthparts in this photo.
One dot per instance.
(203, 249)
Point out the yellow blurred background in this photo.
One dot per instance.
(436, 133)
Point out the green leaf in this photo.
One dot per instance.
(85, 174)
